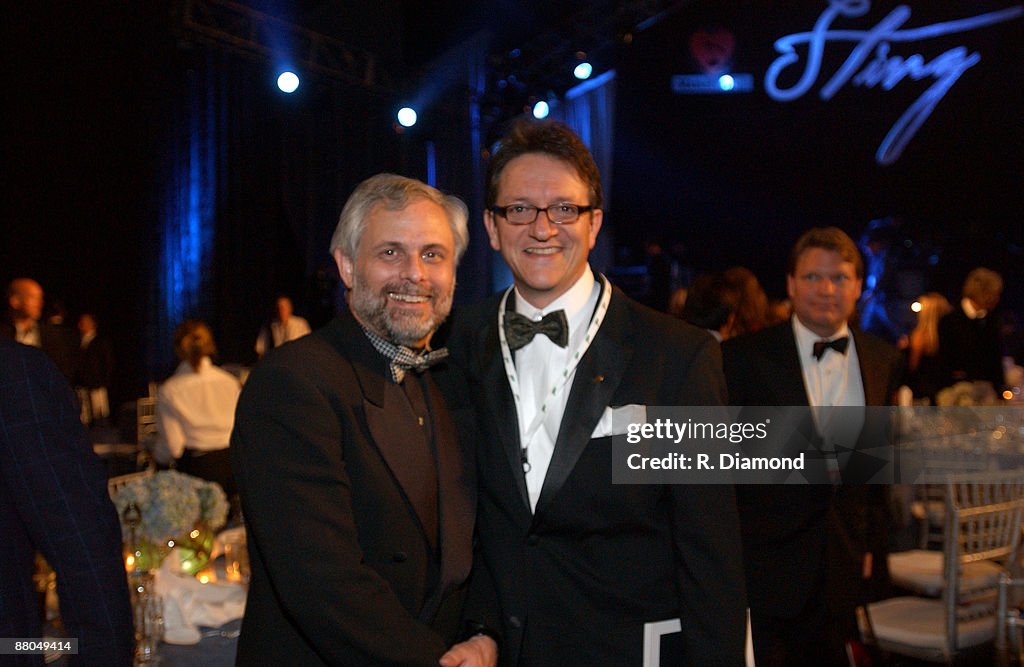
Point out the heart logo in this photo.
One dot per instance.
(712, 49)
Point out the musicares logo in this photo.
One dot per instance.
(885, 69)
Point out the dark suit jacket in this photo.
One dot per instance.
(53, 498)
(786, 529)
(573, 583)
(970, 349)
(94, 365)
(342, 570)
(59, 342)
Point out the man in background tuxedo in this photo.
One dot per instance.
(571, 566)
(357, 498)
(812, 553)
(25, 310)
(53, 499)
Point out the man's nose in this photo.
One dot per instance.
(413, 267)
(542, 228)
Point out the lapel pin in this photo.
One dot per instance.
(598, 379)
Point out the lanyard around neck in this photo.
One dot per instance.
(563, 378)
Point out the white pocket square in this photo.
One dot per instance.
(616, 421)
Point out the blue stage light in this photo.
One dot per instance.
(726, 82)
(541, 110)
(288, 82)
(583, 70)
(406, 117)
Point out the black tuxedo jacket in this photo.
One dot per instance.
(787, 529)
(342, 570)
(53, 498)
(574, 582)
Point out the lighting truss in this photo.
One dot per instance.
(254, 34)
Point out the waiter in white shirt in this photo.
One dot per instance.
(285, 327)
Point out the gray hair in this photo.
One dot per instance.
(394, 192)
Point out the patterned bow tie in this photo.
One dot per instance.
(839, 345)
(406, 360)
(520, 329)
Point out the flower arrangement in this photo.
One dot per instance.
(967, 394)
(170, 504)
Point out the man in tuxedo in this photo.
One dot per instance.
(812, 553)
(970, 348)
(571, 566)
(53, 499)
(25, 310)
(357, 499)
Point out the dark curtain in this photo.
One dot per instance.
(253, 183)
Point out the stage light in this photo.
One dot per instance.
(726, 82)
(916, 306)
(541, 110)
(288, 82)
(406, 117)
(583, 70)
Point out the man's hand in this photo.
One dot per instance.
(479, 651)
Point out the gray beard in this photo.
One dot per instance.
(371, 309)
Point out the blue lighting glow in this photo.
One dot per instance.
(407, 117)
(187, 224)
(541, 110)
(583, 70)
(726, 82)
(288, 82)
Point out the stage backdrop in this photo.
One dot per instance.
(831, 113)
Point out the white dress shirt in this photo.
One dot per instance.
(195, 410)
(832, 381)
(29, 335)
(280, 333)
(540, 366)
(835, 378)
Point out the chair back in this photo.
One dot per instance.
(145, 419)
(114, 484)
(983, 522)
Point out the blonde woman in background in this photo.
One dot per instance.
(195, 409)
(923, 363)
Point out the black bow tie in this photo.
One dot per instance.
(839, 345)
(406, 360)
(520, 329)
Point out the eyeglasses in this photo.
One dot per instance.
(559, 214)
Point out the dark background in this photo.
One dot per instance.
(94, 120)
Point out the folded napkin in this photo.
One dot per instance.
(189, 604)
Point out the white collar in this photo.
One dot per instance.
(971, 311)
(572, 301)
(805, 338)
(184, 367)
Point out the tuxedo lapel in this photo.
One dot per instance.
(872, 373)
(501, 404)
(784, 375)
(597, 377)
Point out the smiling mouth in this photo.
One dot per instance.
(408, 298)
(543, 251)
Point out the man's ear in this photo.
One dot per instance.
(491, 225)
(345, 267)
